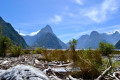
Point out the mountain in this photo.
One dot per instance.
(48, 40)
(30, 40)
(45, 38)
(82, 41)
(9, 31)
(94, 38)
(117, 45)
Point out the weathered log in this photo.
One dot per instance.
(71, 78)
(104, 73)
(115, 75)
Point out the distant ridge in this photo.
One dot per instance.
(94, 38)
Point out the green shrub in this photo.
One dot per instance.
(106, 48)
(5, 43)
(89, 62)
(74, 55)
(16, 51)
(26, 51)
(37, 51)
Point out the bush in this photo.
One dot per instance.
(5, 43)
(16, 51)
(74, 55)
(106, 48)
(26, 51)
(89, 62)
(37, 51)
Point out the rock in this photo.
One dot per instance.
(4, 62)
(36, 61)
(22, 72)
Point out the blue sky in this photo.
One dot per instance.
(68, 18)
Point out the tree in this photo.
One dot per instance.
(5, 43)
(15, 51)
(72, 44)
(106, 49)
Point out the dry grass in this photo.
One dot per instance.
(90, 62)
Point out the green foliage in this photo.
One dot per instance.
(15, 51)
(55, 55)
(116, 64)
(72, 44)
(37, 51)
(26, 51)
(74, 55)
(5, 43)
(89, 63)
(106, 48)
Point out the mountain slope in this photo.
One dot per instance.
(8, 30)
(94, 39)
(117, 45)
(82, 41)
(44, 38)
(48, 40)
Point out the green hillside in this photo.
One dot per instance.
(9, 31)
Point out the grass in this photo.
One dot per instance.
(88, 61)
(116, 52)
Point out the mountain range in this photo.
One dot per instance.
(46, 39)
(92, 40)
(9, 31)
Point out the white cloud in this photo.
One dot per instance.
(79, 2)
(31, 34)
(113, 31)
(22, 34)
(57, 19)
(99, 13)
(34, 33)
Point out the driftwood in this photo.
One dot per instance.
(71, 78)
(104, 73)
(115, 75)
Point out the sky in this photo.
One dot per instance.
(68, 18)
